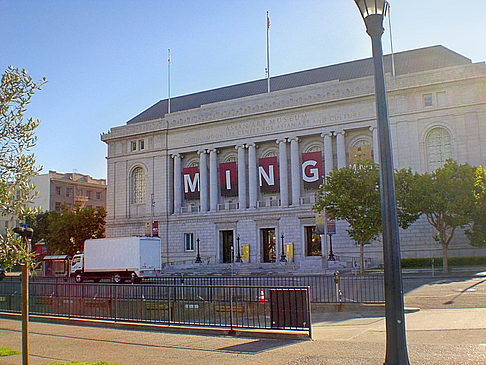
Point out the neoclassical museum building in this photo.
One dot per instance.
(235, 170)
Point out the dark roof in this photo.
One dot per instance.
(416, 60)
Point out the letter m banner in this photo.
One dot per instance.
(190, 179)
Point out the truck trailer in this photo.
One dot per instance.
(121, 259)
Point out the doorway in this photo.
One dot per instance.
(226, 246)
(268, 244)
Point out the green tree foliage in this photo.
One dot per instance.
(17, 164)
(65, 232)
(352, 194)
(477, 232)
(446, 198)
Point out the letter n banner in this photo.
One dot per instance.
(268, 175)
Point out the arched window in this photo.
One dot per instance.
(138, 186)
(439, 148)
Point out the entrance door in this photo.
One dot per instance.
(268, 244)
(226, 245)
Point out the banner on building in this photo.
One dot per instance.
(190, 177)
(357, 153)
(228, 178)
(312, 169)
(268, 175)
(155, 228)
(331, 224)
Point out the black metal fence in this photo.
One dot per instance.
(230, 306)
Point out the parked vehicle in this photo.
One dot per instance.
(121, 259)
(56, 266)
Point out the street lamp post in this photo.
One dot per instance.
(238, 253)
(198, 257)
(373, 12)
(282, 256)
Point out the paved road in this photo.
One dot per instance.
(449, 329)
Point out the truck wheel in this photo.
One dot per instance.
(117, 279)
(78, 278)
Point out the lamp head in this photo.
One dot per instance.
(24, 232)
(373, 12)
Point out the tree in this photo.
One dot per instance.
(65, 232)
(446, 198)
(477, 231)
(17, 165)
(352, 194)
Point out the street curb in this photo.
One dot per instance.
(201, 331)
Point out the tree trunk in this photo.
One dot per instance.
(361, 258)
(445, 264)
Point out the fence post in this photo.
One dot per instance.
(339, 294)
(309, 311)
(231, 309)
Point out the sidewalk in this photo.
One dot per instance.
(435, 336)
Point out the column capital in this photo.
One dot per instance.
(372, 128)
(238, 146)
(281, 140)
(213, 150)
(203, 151)
(327, 134)
(342, 132)
(295, 139)
(252, 144)
(175, 155)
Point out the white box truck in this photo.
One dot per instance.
(121, 259)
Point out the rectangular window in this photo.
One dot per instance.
(88, 194)
(58, 190)
(428, 100)
(133, 146)
(141, 144)
(312, 241)
(188, 241)
(441, 98)
(98, 195)
(69, 192)
(58, 206)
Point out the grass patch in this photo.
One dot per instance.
(4, 351)
(453, 262)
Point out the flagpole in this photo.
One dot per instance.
(168, 86)
(268, 53)
(391, 39)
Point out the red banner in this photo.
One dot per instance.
(190, 176)
(268, 175)
(312, 169)
(228, 178)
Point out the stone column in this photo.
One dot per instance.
(295, 170)
(203, 180)
(341, 149)
(252, 175)
(177, 183)
(283, 172)
(328, 157)
(170, 185)
(374, 133)
(213, 180)
(241, 176)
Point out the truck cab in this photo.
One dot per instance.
(77, 266)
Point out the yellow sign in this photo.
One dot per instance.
(245, 253)
(289, 250)
(357, 153)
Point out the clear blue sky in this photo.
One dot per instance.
(106, 60)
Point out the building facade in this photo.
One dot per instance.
(237, 168)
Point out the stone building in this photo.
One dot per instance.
(239, 167)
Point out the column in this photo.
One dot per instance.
(203, 180)
(328, 157)
(295, 170)
(213, 180)
(341, 149)
(374, 133)
(283, 172)
(252, 175)
(241, 176)
(170, 184)
(177, 183)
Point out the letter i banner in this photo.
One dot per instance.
(312, 169)
(228, 178)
